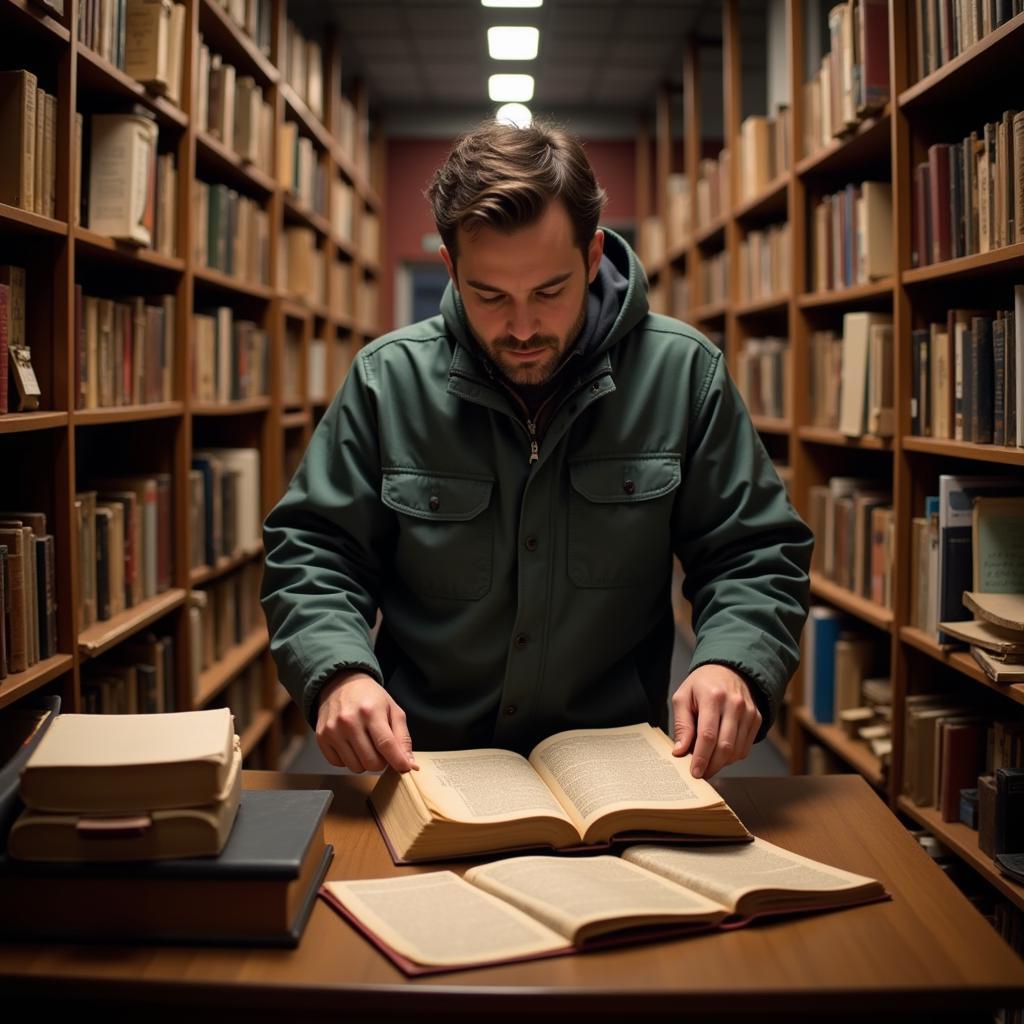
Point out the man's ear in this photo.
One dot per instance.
(594, 253)
(450, 264)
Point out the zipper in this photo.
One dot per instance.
(531, 428)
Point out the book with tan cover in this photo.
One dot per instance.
(1005, 610)
(584, 788)
(108, 764)
(524, 908)
(172, 832)
(986, 635)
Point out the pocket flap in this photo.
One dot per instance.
(626, 478)
(437, 496)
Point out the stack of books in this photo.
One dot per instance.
(135, 827)
(995, 635)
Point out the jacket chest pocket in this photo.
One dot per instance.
(620, 519)
(445, 535)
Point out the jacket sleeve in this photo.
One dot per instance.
(744, 550)
(325, 542)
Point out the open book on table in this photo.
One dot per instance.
(585, 788)
(524, 908)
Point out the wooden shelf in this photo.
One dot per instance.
(999, 52)
(960, 660)
(200, 574)
(103, 247)
(846, 297)
(854, 752)
(22, 422)
(225, 37)
(235, 285)
(771, 203)
(655, 269)
(228, 166)
(853, 604)
(760, 307)
(1009, 259)
(101, 636)
(19, 684)
(299, 309)
(964, 450)
(295, 420)
(305, 118)
(18, 221)
(236, 407)
(220, 673)
(100, 76)
(963, 841)
(712, 311)
(677, 253)
(295, 211)
(771, 425)
(779, 742)
(253, 736)
(31, 18)
(127, 414)
(867, 142)
(824, 435)
(345, 247)
(712, 235)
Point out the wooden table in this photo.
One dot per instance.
(926, 952)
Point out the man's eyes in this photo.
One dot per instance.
(493, 300)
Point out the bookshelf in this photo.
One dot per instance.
(52, 453)
(885, 145)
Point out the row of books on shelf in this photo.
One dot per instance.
(968, 378)
(302, 67)
(28, 591)
(224, 485)
(230, 358)
(253, 17)
(764, 263)
(300, 172)
(852, 520)
(968, 196)
(19, 387)
(967, 540)
(223, 615)
(137, 677)
(124, 350)
(28, 123)
(320, 387)
(231, 233)
(132, 195)
(243, 696)
(763, 149)
(125, 545)
(852, 376)
(852, 81)
(945, 28)
(712, 193)
(713, 279)
(144, 38)
(851, 236)
(233, 109)
(762, 375)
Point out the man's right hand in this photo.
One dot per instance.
(361, 728)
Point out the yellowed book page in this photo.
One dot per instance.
(726, 873)
(568, 894)
(594, 771)
(482, 785)
(437, 919)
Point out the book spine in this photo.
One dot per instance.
(999, 381)
(982, 401)
(5, 307)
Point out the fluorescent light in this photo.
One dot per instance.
(510, 88)
(511, 3)
(514, 114)
(506, 42)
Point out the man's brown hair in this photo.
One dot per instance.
(503, 176)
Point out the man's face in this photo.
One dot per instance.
(525, 291)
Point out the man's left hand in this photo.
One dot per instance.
(714, 706)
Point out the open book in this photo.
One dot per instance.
(582, 788)
(524, 908)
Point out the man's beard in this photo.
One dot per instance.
(544, 368)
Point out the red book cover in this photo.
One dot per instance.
(922, 216)
(874, 52)
(938, 164)
(961, 763)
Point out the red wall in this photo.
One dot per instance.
(411, 164)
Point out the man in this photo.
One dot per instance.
(507, 483)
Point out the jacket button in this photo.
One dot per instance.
(531, 544)
(521, 640)
(629, 487)
(510, 709)
(595, 387)
(435, 503)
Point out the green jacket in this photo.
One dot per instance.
(520, 597)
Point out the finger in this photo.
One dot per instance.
(350, 759)
(753, 724)
(709, 717)
(400, 727)
(392, 739)
(684, 724)
(728, 732)
(327, 749)
(364, 744)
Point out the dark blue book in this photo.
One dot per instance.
(259, 891)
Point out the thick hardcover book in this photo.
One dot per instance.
(938, 167)
(999, 380)
(258, 891)
(525, 908)
(584, 789)
(982, 380)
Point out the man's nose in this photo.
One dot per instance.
(521, 323)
